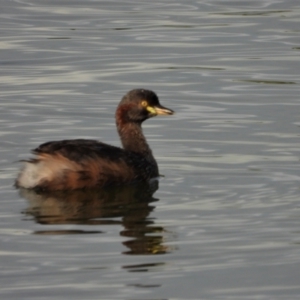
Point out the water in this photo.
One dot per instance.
(224, 223)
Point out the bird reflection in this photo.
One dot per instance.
(128, 206)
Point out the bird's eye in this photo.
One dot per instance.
(144, 103)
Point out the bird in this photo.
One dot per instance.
(85, 163)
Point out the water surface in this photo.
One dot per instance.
(224, 222)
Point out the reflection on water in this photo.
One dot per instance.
(130, 205)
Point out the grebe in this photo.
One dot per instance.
(81, 163)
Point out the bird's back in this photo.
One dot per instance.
(76, 164)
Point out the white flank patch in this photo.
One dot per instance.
(31, 175)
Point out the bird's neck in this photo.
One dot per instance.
(131, 134)
(133, 139)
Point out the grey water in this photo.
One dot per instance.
(224, 222)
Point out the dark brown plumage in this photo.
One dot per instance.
(76, 164)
